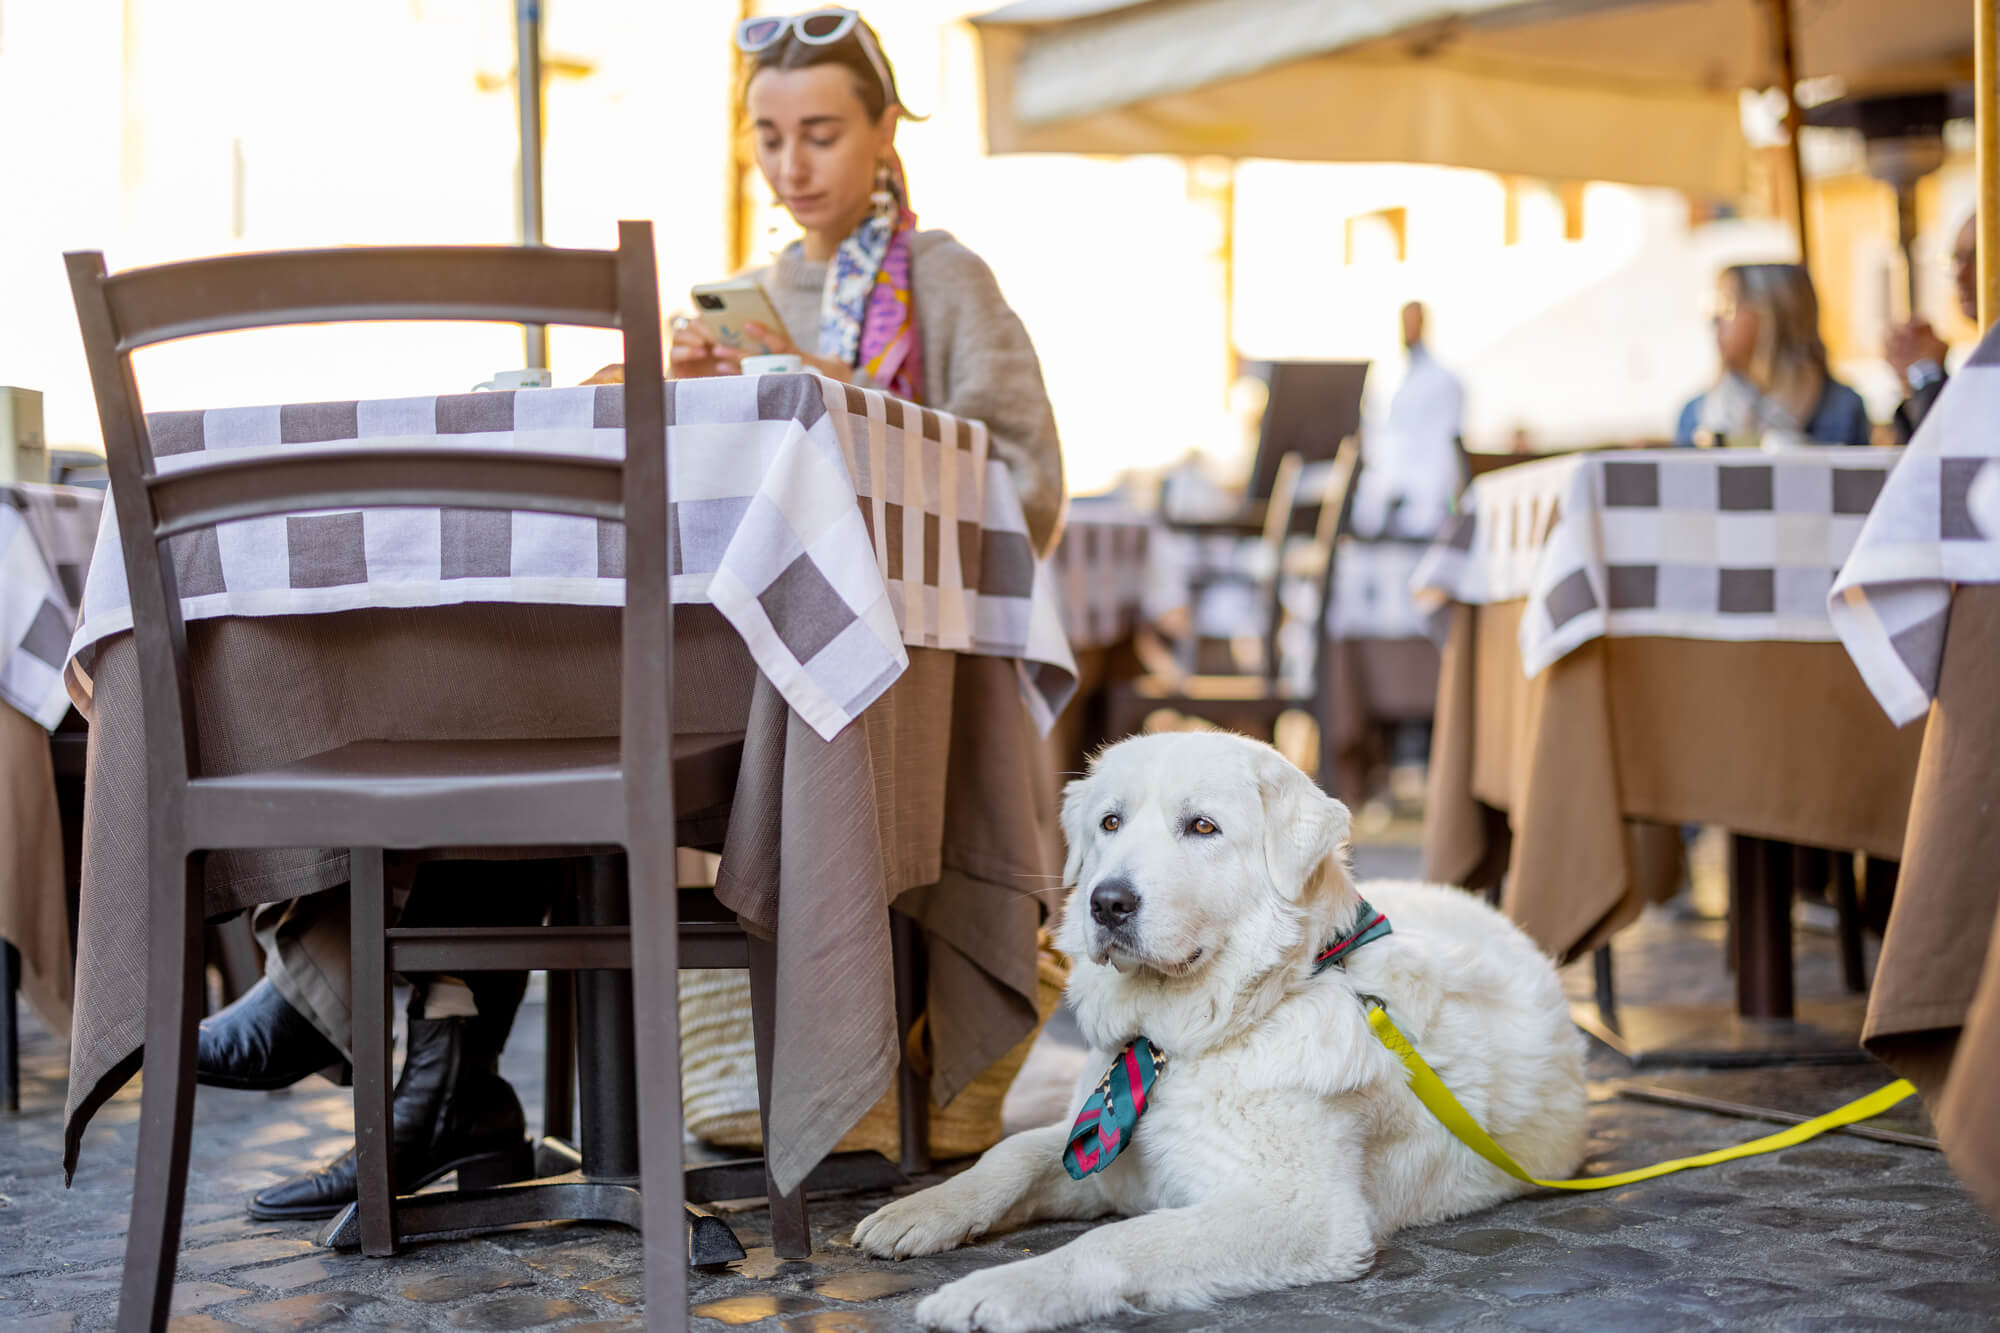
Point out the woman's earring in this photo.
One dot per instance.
(884, 198)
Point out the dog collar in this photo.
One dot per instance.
(1111, 1113)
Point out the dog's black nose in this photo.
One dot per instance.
(1113, 902)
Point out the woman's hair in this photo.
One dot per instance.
(1787, 316)
(788, 52)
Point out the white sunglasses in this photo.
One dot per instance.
(815, 27)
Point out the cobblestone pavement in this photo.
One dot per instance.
(1841, 1234)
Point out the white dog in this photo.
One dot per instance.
(1281, 1143)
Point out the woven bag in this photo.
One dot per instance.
(719, 1070)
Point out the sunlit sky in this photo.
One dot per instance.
(169, 129)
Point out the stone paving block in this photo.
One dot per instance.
(1975, 1298)
(1595, 1220)
(626, 1289)
(521, 1310)
(239, 1253)
(1604, 1314)
(313, 1310)
(846, 1321)
(1483, 1240)
(202, 1323)
(450, 1286)
(867, 1285)
(630, 1323)
(48, 1323)
(284, 1277)
(754, 1309)
(192, 1296)
(1514, 1281)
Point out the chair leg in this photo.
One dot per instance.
(791, 1229)
(174, 994)
(913, 1090)
(656, 1023)
(1847, 909)
(559, 1059)
(1606, 983)
(374, 1133)
(10, 1027)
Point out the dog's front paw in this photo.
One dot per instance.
(942, 1217)
(1020, 1297)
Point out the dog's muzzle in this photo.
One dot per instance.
(1113, 904)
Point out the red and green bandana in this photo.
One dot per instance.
(1112, 1110)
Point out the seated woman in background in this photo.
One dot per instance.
(912, 312)
(1774, 372)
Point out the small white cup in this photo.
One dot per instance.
(778, 363)
(517, 379)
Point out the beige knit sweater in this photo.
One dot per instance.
(978, 362)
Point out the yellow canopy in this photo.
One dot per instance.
(1643, 92)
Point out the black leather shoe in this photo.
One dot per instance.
(260, 1042)
(452, 1112)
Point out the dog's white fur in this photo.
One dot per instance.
(1282, 1144)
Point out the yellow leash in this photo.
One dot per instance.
(1431, 1091)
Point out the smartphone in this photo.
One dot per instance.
(724, 308)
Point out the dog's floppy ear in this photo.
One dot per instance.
(1303, 826)
(1075, 816)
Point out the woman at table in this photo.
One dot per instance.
(915, 313)
(1774, 377)
(912, 312)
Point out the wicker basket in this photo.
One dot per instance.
(719, 1071)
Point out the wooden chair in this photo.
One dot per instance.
(374, 795)
(1253, 702)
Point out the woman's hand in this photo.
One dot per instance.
(777, 344)
(694, 355)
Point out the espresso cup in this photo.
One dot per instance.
(517, 379)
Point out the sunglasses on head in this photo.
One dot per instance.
(815, 27)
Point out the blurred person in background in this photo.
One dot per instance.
(1410, 468)
(1774, 378)
(1915, 351)
(914, 313)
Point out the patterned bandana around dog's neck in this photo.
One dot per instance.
(1112, 1110)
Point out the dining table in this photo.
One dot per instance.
(1917, 604)
(856, 596)
(46, 535)
(1638, 641)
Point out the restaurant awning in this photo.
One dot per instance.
(1643, 92)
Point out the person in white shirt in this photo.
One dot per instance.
(1410, 469)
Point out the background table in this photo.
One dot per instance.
(46, 533)
(1918, 604)
(1638, 640)
(1110, 577)
(1381, 666)
(927, 796)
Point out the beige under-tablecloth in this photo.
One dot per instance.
(934, 798)
(1934, 1010)
(1370, 682)
(1597, 757)
(34, 912)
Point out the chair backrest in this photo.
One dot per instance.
(122, 312)
(1311, 407)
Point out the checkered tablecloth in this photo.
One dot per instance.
(1694, 544)
(46, 534)
(830, 525)
(1103, 568)
(1937, 523)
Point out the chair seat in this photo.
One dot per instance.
(435, 793)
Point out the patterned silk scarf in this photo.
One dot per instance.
(867, 318)
(1112, 1110)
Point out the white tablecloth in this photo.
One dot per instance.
(1937, 523)
(46, 534)
(1685, 543)
(830, 525)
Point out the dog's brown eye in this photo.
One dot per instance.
(1204, 827)
(1109, 823)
